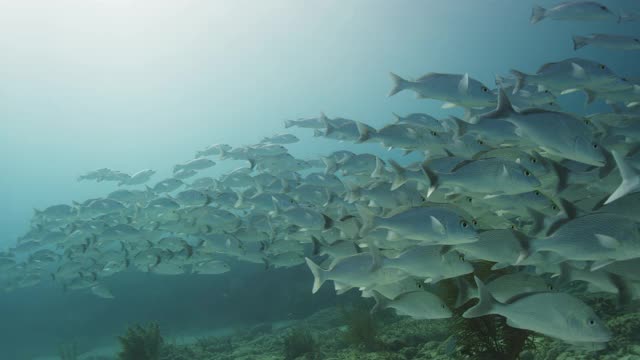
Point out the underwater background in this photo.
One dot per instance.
(130, 84)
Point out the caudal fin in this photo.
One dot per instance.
(521, 79)
(400, 172)
(364, 132)
(465, 292)
(432, 176)
(485, 306)
(381, 301)
(630, 179)
(503, 110)
(537, 13)
(318, 275)
(367, 219)
(399, 84)
(579, 42)
(330, 165)
(317, 246)
(378, 171)
(460, 127)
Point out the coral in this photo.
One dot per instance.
(68, 351)
(625, 329)
(298, 342)
(140, 343)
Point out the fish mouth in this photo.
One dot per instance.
(606, 337)
(598, 163)
(468, 239)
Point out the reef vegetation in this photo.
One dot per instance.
(141, 343)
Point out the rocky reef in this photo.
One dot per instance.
(352, 332)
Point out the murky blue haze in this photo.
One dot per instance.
(131, 85)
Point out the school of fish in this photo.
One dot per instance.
(544, 196)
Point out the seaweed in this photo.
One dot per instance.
(141, 343)
(489, 337)
(68, 351)
(297, 343)
(486, 337)
(362, 329)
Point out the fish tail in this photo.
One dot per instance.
(630, 179)
(520, 80)
(330, 165)
(465, 292)
(363, 131)
(379, 169)
(625, 290)
(317, 246)
(537, 14)
(486, 305)
(400, 172)
(461, 127)
(381, 301)
(353, 194)
(399, 84)
(579, 42)
(328, 222)
(318, 275)
(367, 219)
(432, 176)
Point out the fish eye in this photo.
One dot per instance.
(469, 200)
(474, 222)
(636, 40)
(534, 160)
(480, 142)
(602, 67)
(551, 103)
(422, 198)
(547, 92)
(442, 306)
(603, 7)
(550, 287)
(527, 173)
(595, 146)
(433, 133)
(464, 224)
(513, 227)
(461, 257)
(592, 322)
(554, 207)
(485, 89)
(537, 193)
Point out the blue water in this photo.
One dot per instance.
(129, 85)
